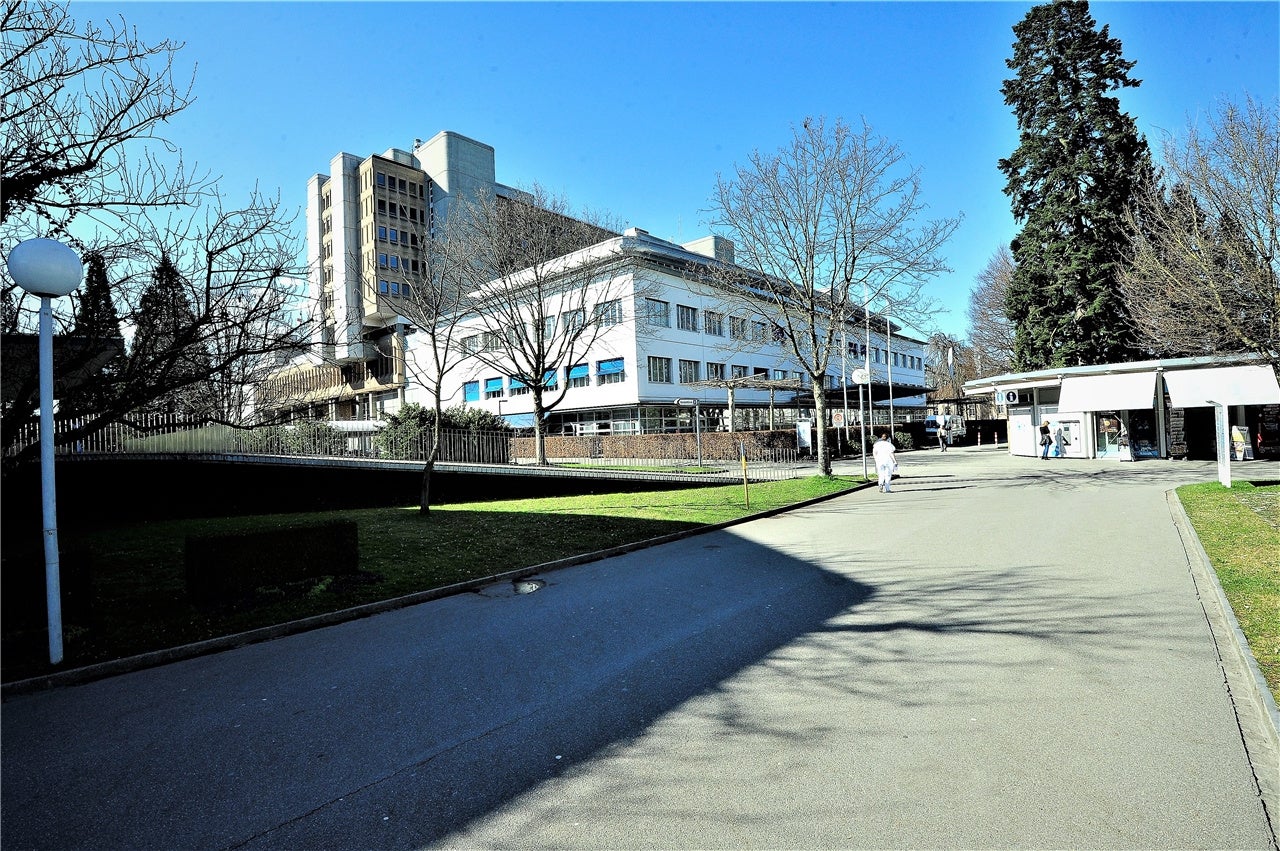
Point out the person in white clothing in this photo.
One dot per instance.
(886, 461)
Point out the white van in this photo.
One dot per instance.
(952, 426)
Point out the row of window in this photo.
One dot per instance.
(658, 313)
(690, 371)
(400, 237)
(397, 263)
(900, 359)
(392, 210)
(393, 288)
(399, 184)
(611, 371)
(570, 321)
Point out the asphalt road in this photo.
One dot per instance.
(1001, 653)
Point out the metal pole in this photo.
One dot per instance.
(697, 428)
(53, 589)
(844, 376)
(888, 365)
(863, 423)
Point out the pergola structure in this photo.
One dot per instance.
(753, 382)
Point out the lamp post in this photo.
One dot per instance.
(49, 269)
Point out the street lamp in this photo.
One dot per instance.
(49, 269)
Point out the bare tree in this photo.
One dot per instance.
(540, 295)
(1203, 275)
(235, 270)
(83, 162)
(436, 302)
(82, 108)
(828, 226)
(991, 332)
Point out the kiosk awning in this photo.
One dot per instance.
(1230, 385)
(1119, 392)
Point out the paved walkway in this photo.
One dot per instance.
(1002, 653)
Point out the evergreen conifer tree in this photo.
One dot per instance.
(167, 339)
(1079, 166)
(97, 323)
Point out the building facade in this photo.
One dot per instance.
(367, 221)
(1154, 409)
(667, 338)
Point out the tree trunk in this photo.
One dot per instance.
(539, 433)
(820, 417)
(424, 498)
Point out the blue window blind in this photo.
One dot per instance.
(550, 379)
(516, 383)
(579, 371)
(609, 367)
(492, 385)
(471, 391)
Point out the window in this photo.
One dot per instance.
(382, 232)
(383, 287)
(492, 341)
(779, 375)
(759, 332)
(715, 371)
(395, 261)
(660, 370)
(518, 387)
(738, 371)
(382, 261)
(471, 344)
(471, 391)
(573, 320)
(403, 185)
(404, 290)
(688, 371)
(382, 179)
(713, 323)
(550, 379)
(610, 371)
(382, 206)
(686, 317)
(579, 376)
(657, 312)
(737, 328)
(395, 288)
(395, 235)
(493, 388)
(609, 313)
(548, 327)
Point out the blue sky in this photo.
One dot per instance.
(633, 108)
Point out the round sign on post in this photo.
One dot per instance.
(861, 376)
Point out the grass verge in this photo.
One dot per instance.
(138, 591)
(1240, 531)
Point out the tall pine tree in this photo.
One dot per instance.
(1079, 166)
(167, 339)
(98, 325)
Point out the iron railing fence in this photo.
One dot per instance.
(160, 434)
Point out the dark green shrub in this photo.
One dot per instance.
(225, 569)
(904, 440)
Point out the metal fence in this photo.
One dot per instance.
(676, 455)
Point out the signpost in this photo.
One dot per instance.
(860, 377)
(697, 424)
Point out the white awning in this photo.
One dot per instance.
(1230, 385)
(1119, 392)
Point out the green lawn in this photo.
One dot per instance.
(139, 592)
(1240, 530)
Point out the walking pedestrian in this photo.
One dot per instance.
(886, 461)
(1045, 440)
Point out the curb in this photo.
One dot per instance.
(156, 658)
(1255, 708)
